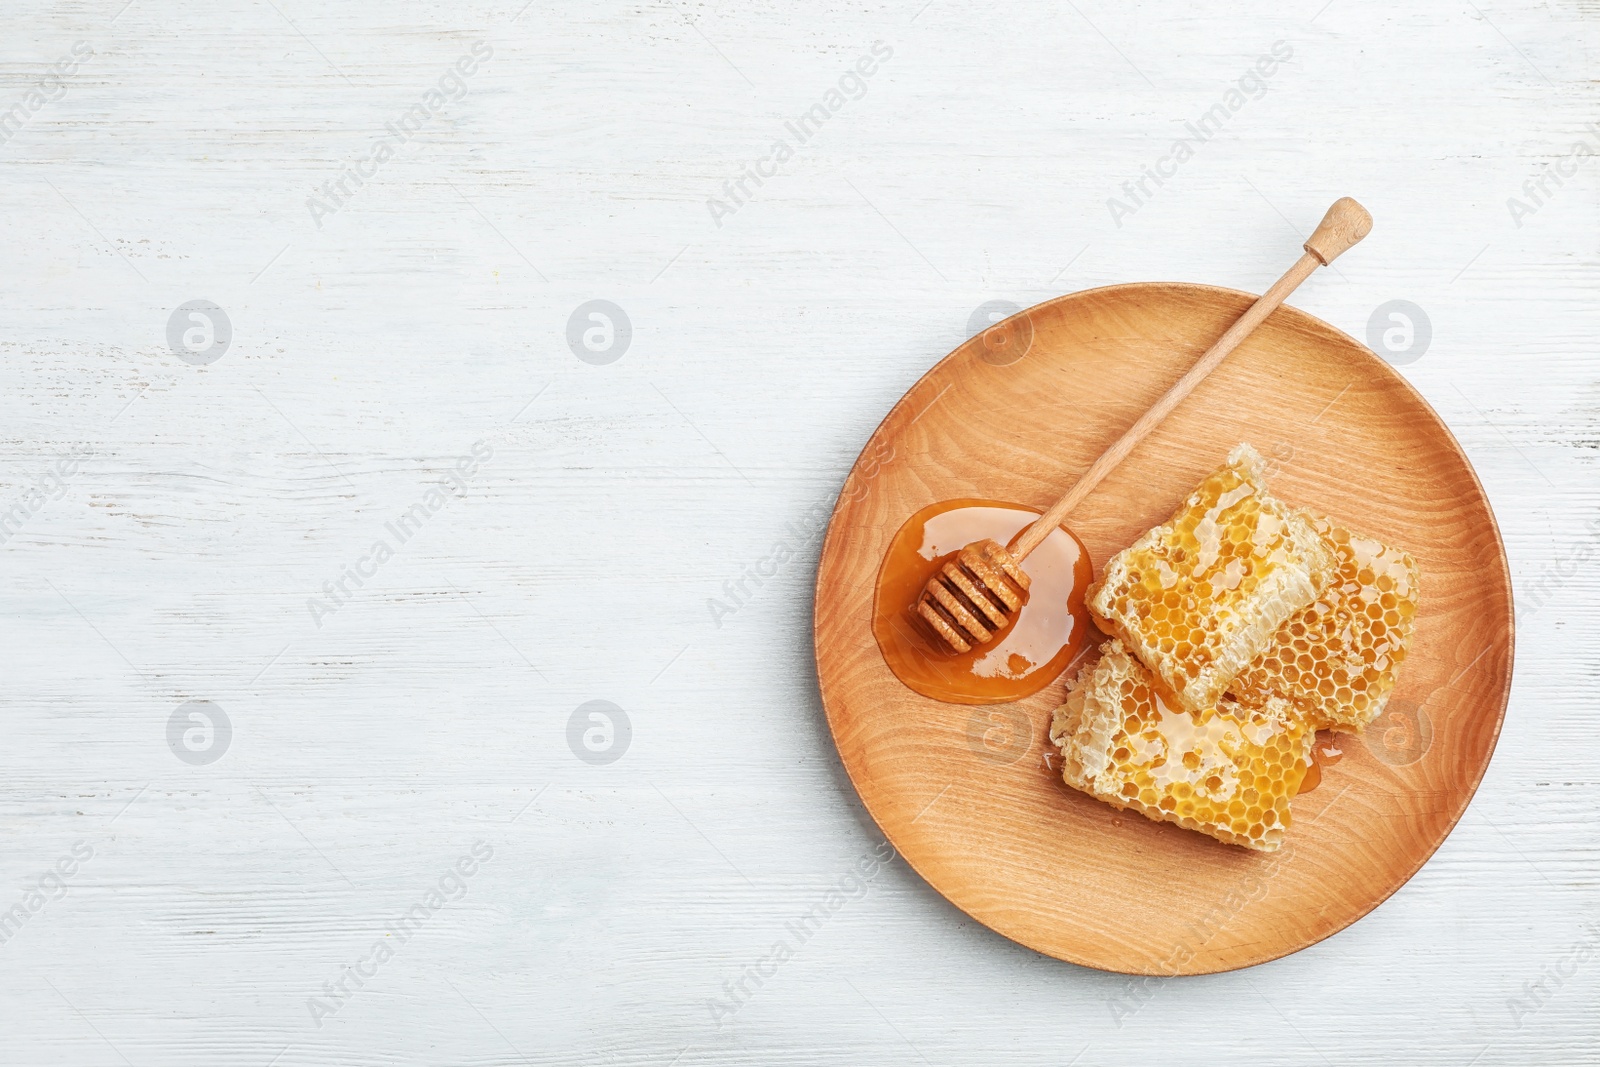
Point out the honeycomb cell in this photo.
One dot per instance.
(1355, 635)
(1221, 771)
(1197, 598)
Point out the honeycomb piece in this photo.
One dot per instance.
(1227, 771)
(1199, 597)
(1336, 659)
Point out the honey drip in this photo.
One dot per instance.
(1028, 653)
(1327, 751)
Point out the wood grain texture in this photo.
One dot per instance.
(1219, 349)
(370, 353)
(989, 824)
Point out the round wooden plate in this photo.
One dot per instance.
(965, 793)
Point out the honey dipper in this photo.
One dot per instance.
(971, 597)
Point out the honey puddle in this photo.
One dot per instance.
(1325, 752)
(1033, 648)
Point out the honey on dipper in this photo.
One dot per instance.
(1037, 641)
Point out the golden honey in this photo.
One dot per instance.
(1037, 642)
(1326, 752)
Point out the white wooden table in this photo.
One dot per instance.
(228, 883)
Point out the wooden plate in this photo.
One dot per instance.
(1017, 414)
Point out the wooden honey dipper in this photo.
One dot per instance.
(972, 596)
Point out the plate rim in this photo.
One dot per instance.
(1393, 376)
